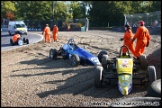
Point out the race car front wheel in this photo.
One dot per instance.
(154, 89)
(100, 54)
(53, 54)
(104, 61)
(151, 73)
(98, 76)
(24, 40)
(27, 41)
(75, 60)
(11, 42)
(143, 61)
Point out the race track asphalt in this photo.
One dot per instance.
(33, 37)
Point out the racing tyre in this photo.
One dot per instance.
(11, 42)
(75, 60)
(154, 90)
(24, 40)
(20, 42)
(53, 54)
(27, 41)
(100, 54)
(151, 73)
(63, 54)
(143, 62)
(98, 76)
(104, 61)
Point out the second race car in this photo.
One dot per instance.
(76, 54)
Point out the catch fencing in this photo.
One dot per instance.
(151, 19)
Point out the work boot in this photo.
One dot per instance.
(138, 58)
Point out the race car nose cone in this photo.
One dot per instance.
(125, 91)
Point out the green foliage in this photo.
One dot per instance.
(7, 6)
(60, 11)
(100, 13)
(77, 9)
(112, 12)
(105, 12)
(34, 10)
(155, 6)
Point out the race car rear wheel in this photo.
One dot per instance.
(63, 54)
(104, 61)
(24, 40)
(53, 54)
(20, 41)
(27, 41)
(11, 42)
(98, 76)
(154, 90)
(143, 62)
(151, 73)
(100, 54)
(75, 60)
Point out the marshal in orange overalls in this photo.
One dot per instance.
(128, 36)
(55, 32)
(47, 34)
(15, 37)
(143, 39)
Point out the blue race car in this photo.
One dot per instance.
(76, 54)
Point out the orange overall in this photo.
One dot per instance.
(47, 34)
(128, 42)
(143, 39)
(15, 37)
(55, 31)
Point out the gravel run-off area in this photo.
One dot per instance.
(29, 78)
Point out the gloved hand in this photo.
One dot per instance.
(147, 44)
(121, 39)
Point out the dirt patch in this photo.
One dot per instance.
(31, 79)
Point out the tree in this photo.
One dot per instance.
(8, 9)
(34, 10)
(77, 10)
(87, 5)
(100, 13)
(10, 15)
(60, 11)
(104, 12)
(156, 6)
